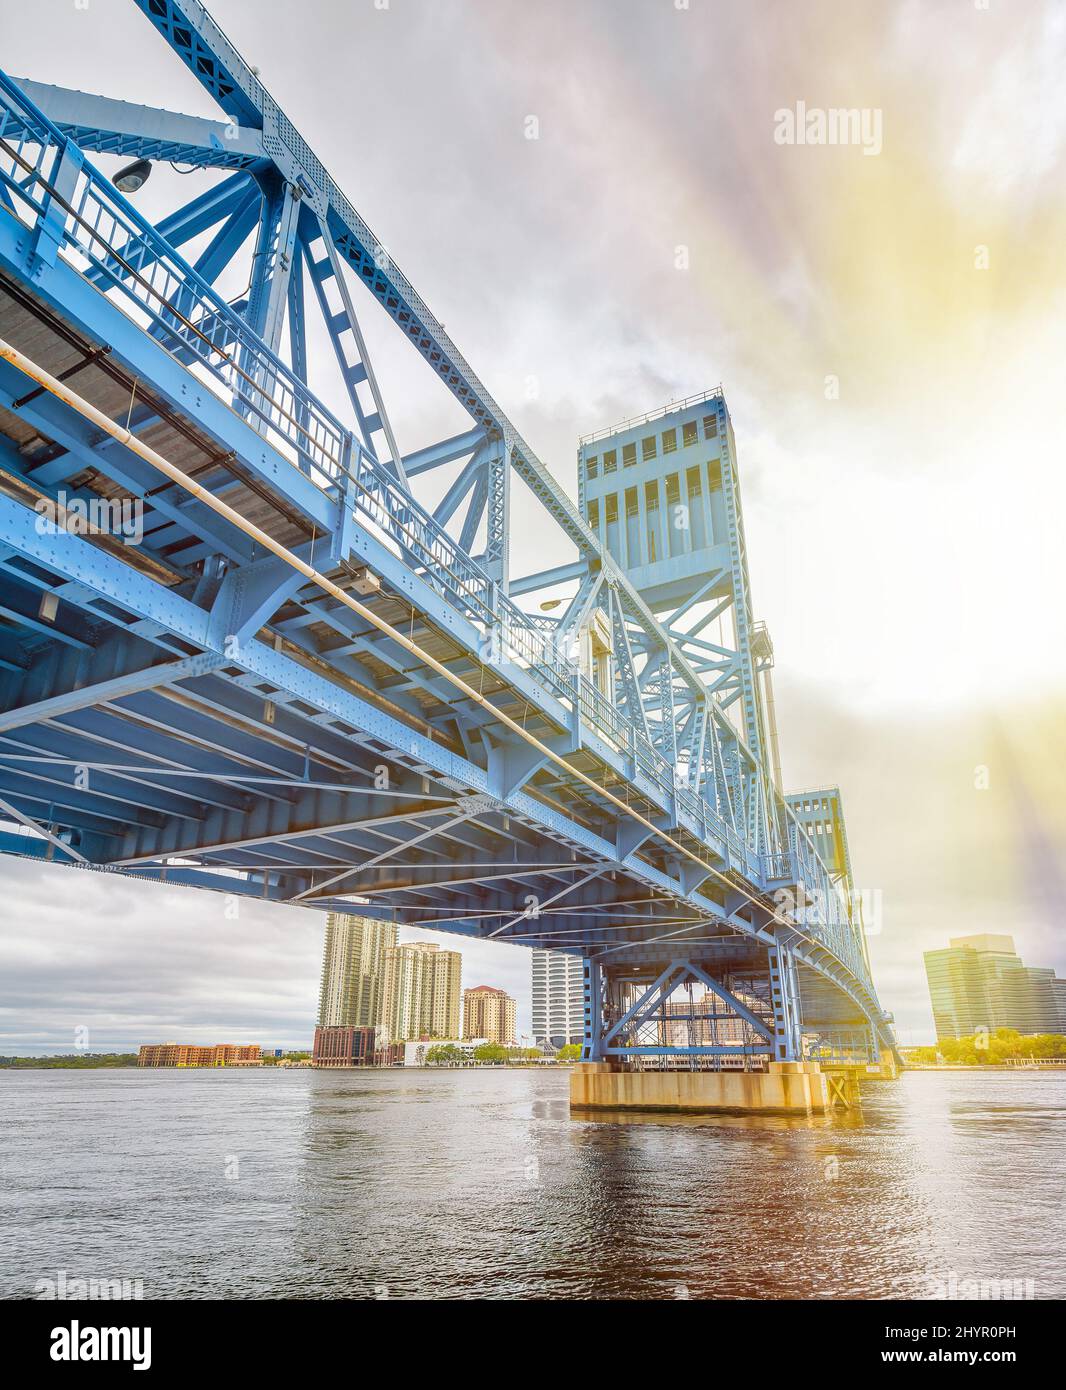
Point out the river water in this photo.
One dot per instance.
(478, 1184)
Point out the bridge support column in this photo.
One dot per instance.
(592, 1050)
(784, 997)
(889, 1067)
(641, 1053)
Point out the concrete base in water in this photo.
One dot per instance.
(788, 1088)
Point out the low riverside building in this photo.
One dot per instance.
(415, 1054)
(355, 1047)
(172, 1054)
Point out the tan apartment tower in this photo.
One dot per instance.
(353, 971)
(490, 1014)
(422, 991)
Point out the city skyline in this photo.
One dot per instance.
(273, 995)
(980, 983)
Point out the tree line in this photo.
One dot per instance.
(989, 1047)
(447, 1054)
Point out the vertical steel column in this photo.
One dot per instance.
(592, 1050)
(784, 999)
(497, 542)
(273, 261)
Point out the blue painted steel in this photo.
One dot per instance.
(189, 710)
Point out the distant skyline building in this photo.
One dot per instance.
(172, 1054)
(422, 991)
(1058, 997)
(490, 1014)
(558, 998)
(980, 982)
(353, 971)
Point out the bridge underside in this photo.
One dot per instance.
(292, 774)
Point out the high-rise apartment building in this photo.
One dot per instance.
(353, 969)
(980, 982)
(490, 1014)
(422, 991)
(558, 998)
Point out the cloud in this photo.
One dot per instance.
(132, 962)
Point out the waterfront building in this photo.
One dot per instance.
(558, 998)
(416, 1052)
(489, 1013)
(1058, 999)
(422, 991)
(172, 1054)
(351, 993)
(354, 1047)
(957, 992)
(980, 982)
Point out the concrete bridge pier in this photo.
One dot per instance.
(785, 1088)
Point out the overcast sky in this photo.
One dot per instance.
(904, 524)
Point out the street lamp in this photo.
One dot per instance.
(134, 175)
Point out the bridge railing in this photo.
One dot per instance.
(388, 511)
(834, 924)
(125, 257)
(45, 183)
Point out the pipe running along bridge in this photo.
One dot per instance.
(241, 650)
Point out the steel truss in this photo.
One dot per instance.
(302, 683)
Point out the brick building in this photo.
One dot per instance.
(354, 1047)
(171, 1054)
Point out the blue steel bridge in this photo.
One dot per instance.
(295, 678)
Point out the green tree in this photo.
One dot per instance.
(986, 1049)
(570, 1053)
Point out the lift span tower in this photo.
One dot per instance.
(293, 678)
